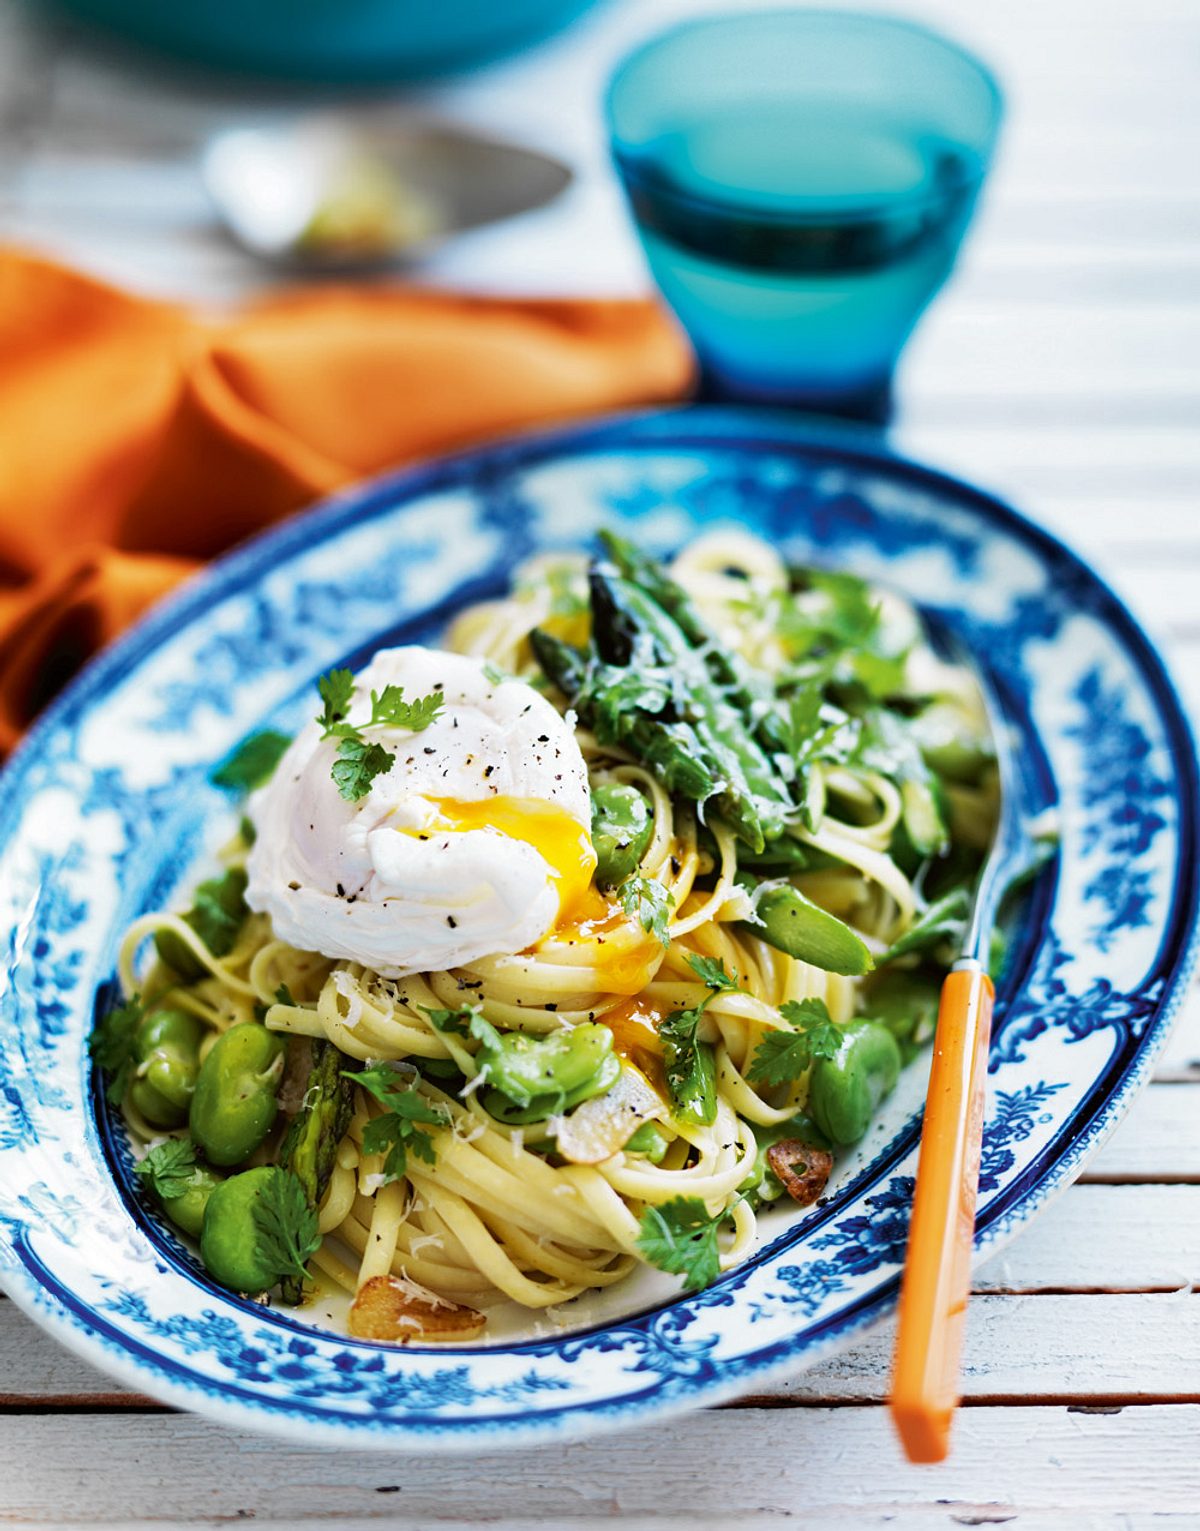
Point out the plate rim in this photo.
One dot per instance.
(695, 428)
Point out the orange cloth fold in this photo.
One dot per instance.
(138, 438)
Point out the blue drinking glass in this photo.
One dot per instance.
(801, 182)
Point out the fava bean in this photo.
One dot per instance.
(649, 1142)
(794, 924)
(536, 1077)
(186, 1210)
(845, 1091)
(229, 1242)
(166, 1053)
(622, 828)
(234, 1105)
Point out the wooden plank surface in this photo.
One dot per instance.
(737, 1467)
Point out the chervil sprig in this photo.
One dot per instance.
(401, 1130)
(648, 901)
(455, 1023)
(360, 760)
(357, 765)
(169, 1168)
(285, 1226)
(336, 690)
(782, 1056)
(689, 1064)
(711, 972)
(680, 1237)
(389, 709)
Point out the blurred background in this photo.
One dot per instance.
(1062, 364)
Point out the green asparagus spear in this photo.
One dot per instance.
(795, 925)
(309, 1147)
(751, 694)
(631, 629)
(671, 750)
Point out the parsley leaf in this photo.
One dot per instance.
(649, 902)
(689, 1064)
(809, 740)
(336, 690)
(711, 971)
(681, 1238)
(782, 1056)
(111, 1046)
(252, 762)
(169, 1167)
(283, 995)
(285, 1226)
(454, 1023)
(401, 1130)
(357, 765)
(389, 709)
(493, 675)
(359, 762)
(851, 615)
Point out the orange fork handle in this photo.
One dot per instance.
(937, 1269)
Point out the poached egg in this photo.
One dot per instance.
(475, 842)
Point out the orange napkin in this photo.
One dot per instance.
(138, 438)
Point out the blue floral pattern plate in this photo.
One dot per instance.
(107, 807)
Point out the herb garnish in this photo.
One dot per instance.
(454, 1023)
(283, 996)
(252, 762)
(111, 1046)
(359, 761)
(649, 902)
(169, 1168)
(688, 1063)
(782, 1056)
(390, 710)
(680, 1237)
(285, 1225)
(711, 972)
(401, 1129)
(357, 765)
(336, 690)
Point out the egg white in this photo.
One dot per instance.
(474, 843)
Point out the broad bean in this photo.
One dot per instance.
(234, 1104)
(845, 1091)
(166, 1054)
(622, 827)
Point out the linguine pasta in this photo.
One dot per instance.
(517, 1210)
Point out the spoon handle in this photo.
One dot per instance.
(937, 1270)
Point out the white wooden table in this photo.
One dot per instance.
(1063, 369)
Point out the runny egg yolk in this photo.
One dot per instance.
(563, 843)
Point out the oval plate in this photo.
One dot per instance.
(107, 805)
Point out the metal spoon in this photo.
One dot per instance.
(340, 193)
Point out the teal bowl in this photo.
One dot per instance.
(347, 41)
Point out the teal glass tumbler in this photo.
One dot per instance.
(801, 181)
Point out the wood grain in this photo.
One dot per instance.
(743, 1466)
